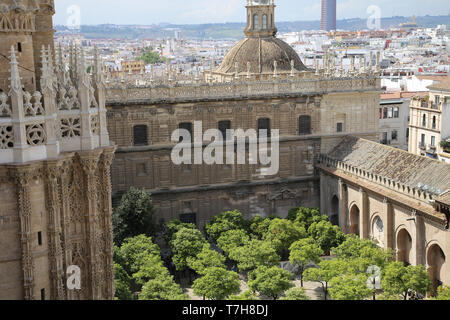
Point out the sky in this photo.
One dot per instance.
(147, 12)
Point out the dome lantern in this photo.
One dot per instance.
(260, 19)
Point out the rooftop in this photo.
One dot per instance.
(398, 165)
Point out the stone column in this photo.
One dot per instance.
(388, 224)
(56, 264)
(419, 242)
(106, 160)
(343, 219)
(23, 177)
(364, 215)
(89, 163)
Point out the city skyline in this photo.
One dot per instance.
(216, 11)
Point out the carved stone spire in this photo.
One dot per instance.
(15, 76)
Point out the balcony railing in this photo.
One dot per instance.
(422, 145)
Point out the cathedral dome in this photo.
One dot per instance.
(261, 52)
(260, 49)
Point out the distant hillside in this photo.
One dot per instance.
(235, 30)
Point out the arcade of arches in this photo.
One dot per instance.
(416, 237)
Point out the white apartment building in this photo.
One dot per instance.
(430, 122)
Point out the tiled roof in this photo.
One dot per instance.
(398, 165)
(443, 85)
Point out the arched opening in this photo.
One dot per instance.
(354, 220)
(304, 125)
(378, 231)
(424, 120)
(404, 245)
(255, 22)
(264, 21)
(334, 217)
(435, 262)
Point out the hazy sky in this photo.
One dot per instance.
(211, 11)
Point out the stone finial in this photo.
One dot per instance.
(275, 71)
(47, 74)
(16, 85)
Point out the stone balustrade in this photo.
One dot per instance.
(129, 92)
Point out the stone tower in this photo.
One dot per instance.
(260, 18)
(55, 158)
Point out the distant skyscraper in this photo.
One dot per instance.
(328, 22)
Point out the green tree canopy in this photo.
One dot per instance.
(398, 280)
(217, 284)
(122, 283)
(270, 281)
(443, 293)
(295, 294)
(162, 287)
(282, 234)
(259, 225)
(151, 57)
(350, 287)
(151, 268)
(134, 251)
(302, 253)
(327, 270)
(206, 259)
(326, 235)
(254, 254)
(174, 226)
(232, 239)
(133, 216)
(352, 247)
(186, 243)
(247, 295)
(229, 220)
(306, 216)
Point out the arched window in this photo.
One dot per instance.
(264, 22)
(424, 120)
(255, 22)
(434, 122)
(304, 125)
(140, 135)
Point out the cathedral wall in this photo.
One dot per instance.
(356, 112)
(11, 284)
(25, 59)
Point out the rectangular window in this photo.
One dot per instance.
(188, 218)
(187, 126)
(339, 127)
(223, 127)
(19, 47)
(264, 124)
(40, 238)
(423, 139)
(436, 100)
(394, 134)
(42, 294)
(433, 141)
(407, 133)
(140, 135)
(390, 113)
(396, 112)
